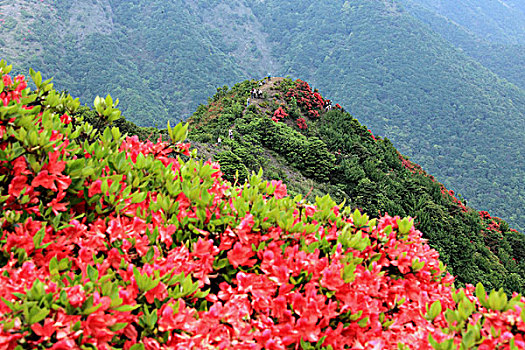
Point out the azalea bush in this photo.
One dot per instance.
(112, 243)
(310, 103)
(279, 115)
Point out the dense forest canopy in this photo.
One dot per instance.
(491, 32)
(457, 82)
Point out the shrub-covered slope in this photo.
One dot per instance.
(293, 137)
(112, 243)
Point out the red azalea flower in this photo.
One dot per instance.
(45, 331)
(240, 256)
(56, 205)
(66, 119)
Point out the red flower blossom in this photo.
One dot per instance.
(301, 123)
(66, 119)
(240, 256)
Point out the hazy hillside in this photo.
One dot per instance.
(492, 32)
(160, 68)
(386, 65)
(498, 21)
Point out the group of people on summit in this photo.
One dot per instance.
(256, 93)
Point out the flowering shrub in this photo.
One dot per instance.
(112, 243)
(301, 123)
(310, 103)
(307, 100)
(279, 115)
(494, 229)
(417, 169)
(372, 135)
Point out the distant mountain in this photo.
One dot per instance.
(497, 21)
(446, 90)
(490, 31)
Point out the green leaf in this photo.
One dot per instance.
(37, 314)
(469, 339)
(76, 326)
(138, 347)
(126, 308)
(91, 309)
(348, 273)
(53, 265)
(37, 78)
(417, 265)
(10, 305)
(8, 325)
(92, 273)
(363, 322)
(481, 295)
(118, 326)
(404, 225)
(144, 282)
(435, 310)
(179, 133)
(39, 237)
(445, 345)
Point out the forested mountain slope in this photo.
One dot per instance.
(490, 31)
(141, 51)
(385, 64)
(290, 133)
(498, 21)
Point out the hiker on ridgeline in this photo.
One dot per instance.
(259, 93)
(269, 77)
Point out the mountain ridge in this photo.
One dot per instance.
(331, 152)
